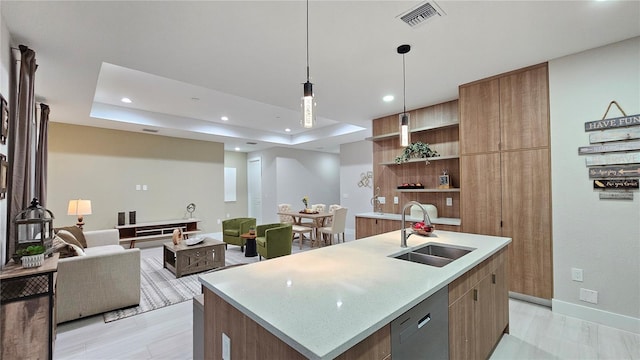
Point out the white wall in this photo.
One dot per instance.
(288, 175)
(5, 65)
(238, 161)
(355, 159)
(600, 236)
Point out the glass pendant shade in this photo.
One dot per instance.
(308, 106)
(405, 136)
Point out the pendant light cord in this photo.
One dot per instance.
(404, 88)
(307, 40)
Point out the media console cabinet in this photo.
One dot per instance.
(156, 230)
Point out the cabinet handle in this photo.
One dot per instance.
(493, 278)
(424, 320)
(475, 294)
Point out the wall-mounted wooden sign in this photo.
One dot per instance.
(616, 195)
(614, 171)
(623, 146)
(621, 184)
(612, 159)
(614, 135)
(603, 124)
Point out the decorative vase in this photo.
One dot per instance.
(32, 261)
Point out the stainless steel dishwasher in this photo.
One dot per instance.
(423, 331)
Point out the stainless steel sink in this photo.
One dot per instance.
(443, 251)
(424, 259)
(434, 255)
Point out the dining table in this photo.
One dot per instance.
(318, 219)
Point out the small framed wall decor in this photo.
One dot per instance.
(4, 170)
(443, 180)
(4, 117)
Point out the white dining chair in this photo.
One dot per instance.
(300, 230)
(337, 227)
(332, 208)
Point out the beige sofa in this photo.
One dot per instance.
(105, 279)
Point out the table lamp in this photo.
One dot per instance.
(79, 208)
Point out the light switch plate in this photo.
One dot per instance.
(449, 201)
(576, 274)
(382, 199)
(395, 200)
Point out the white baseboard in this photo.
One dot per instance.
(622, 322)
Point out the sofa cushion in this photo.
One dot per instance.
(68, 237)
(77, 249)
(105, 249)
(77, 233)
(232, 232)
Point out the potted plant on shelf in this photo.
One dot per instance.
(416, 150)
(32, 256)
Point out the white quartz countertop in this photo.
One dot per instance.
(390, 216)
(323, 301)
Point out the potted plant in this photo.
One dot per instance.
(32, 256)
(416, 150)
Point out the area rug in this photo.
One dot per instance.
(159, 287)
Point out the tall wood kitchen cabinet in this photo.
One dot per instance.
(505, 171)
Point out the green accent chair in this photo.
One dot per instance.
(273, 240)
(232, 228)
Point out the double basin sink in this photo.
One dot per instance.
(434, 254)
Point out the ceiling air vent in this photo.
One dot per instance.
(422, 13)
(150, 130)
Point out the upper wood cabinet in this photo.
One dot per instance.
(507, 112)
(524, 109)
(480, 109)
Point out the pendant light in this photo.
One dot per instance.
(308, 101)
(404, 117)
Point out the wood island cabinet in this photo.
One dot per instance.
(478, 309)
(366, 227)
(505, 171)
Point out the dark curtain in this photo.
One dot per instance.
(41, 155)
(21, 143)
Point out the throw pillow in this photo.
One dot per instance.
(62, 247)
(77, 233)
(77, 249)
(68, 237)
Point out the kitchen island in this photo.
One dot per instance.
(322, 303)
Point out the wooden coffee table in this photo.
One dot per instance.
(185, 260)
(250, 247)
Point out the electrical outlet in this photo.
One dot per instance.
(449, 201)
(145, 188)
(138, 187)
(395, 200)
(226, 347)
(590, 296)
(382, 200)
(576, 274)
(219, 221)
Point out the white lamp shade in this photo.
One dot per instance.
(79, 207)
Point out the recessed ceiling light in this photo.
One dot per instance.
(126, 100)
(287, 130)
(237, 149)
(224, 118)
(388, 98)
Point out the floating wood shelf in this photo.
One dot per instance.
(437, 158)
(429, 190)
(424, 128)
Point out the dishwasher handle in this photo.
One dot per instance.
(424, 320)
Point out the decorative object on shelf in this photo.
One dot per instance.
(404, 117)
(365, 179)
(177, 236)
(32, 256)
(34, 226)
(305, 201)
(79, 208)
(190, 209)
(120, 218)
(308, 100)
(4, 180)
(416, 150)
(132, 217)
(443, 180)
(411, 186)
(4, 118)
(614, 161)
